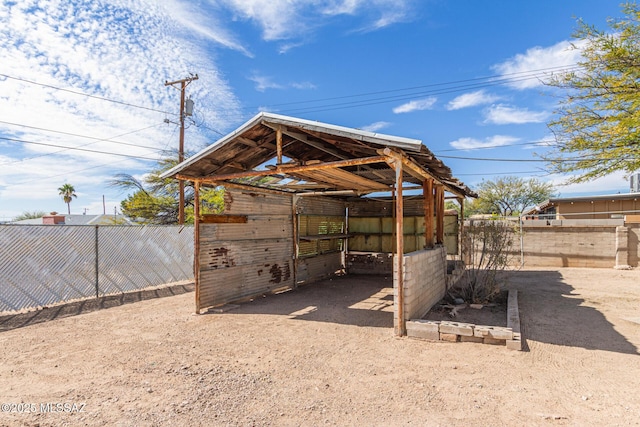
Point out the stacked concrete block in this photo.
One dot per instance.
(467, 332)
(424, 280)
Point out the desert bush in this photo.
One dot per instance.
(487, 251)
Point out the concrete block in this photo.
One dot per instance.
(457, 328)
(514, 345)
(449, 337)
(495, 332)
(513, 313)
(493, 341)
(464, 338)
(423, 335)
(423, 329)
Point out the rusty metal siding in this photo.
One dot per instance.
(318, 267)
(239, 261)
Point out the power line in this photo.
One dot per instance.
(75, 148)
(534, 143)
(61, 174)
(82, 136)
(499, 79)
(504, 173)
(527, 160)
(439, 89)
(84, 94)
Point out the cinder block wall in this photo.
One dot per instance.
(572, 246)
(424, 281)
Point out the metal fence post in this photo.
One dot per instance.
(97, 271)
(521, 243)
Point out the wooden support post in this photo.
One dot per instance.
(196, 242)
(400, 326)
(279, 145)
(427, 190)
(296, 239)
(461, 230)
(439, 214)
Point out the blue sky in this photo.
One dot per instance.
(462, 76)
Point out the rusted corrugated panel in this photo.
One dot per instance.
(321, 206)
(256, 228)
(232, 284)
(238, 261)
(227, 254)
(244, 203)
(319, 267)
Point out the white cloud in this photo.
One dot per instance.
(374, 127)
(190, 17)
(416, 105)
(262, 83)
(302, 85)
(117, 50)
(285, 19)
(471, 99)
(610, 184)
(503, 115)
(528, 70)
(491, 142)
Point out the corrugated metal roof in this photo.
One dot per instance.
(309, 142)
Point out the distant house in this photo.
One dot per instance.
(60, 219)
(608, 206)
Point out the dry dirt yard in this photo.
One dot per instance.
(326, 355)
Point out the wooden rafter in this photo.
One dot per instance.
(281, 169)
(416, 170)
(342, 179)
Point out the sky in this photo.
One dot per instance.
(83, 94)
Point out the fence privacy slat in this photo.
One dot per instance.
(42, 265)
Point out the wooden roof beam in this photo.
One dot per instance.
(305, 139)
(416, 170)
(287, 169)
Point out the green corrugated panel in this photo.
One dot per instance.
(364, 225)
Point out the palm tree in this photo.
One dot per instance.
(68, 193)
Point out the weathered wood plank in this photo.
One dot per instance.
(223, 219)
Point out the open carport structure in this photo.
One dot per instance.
(296, 211)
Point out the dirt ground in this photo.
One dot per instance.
(491, 314)
(325, 354)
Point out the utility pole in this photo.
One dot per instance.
(183, 84)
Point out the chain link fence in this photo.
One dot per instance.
(42, 264)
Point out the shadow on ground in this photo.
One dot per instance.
(362, 300)
(552, 312)
(19, 320)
